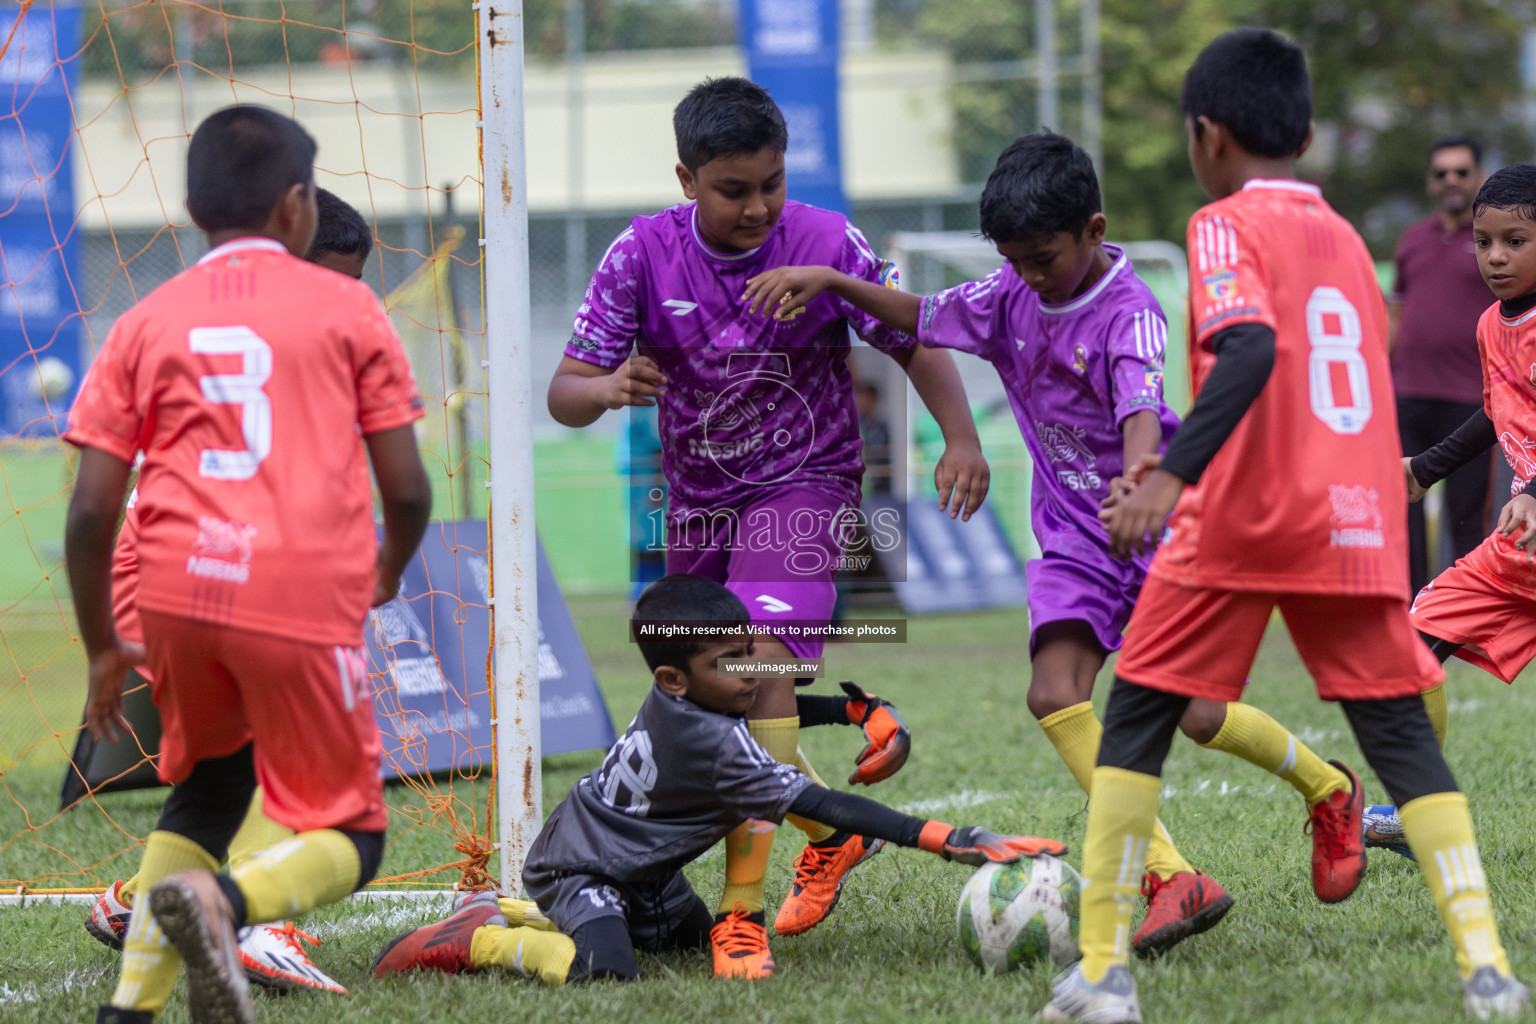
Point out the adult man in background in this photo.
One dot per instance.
(1433, 313)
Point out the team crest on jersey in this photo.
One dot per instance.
(1152, 375)
(889, 275)
(1220, 286)
(1533, 375)
(1080, 360)
(1521, 453)
(1356, 517)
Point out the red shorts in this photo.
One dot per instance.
(1201, 643)
(1496, 627)
(307, 707)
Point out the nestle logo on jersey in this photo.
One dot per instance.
(218, 569)
(1356, 516)
(226, 537)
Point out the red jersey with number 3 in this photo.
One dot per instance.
(249, 381)
(1307, 494)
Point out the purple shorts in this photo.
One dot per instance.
(779, 555)
(1062, 589)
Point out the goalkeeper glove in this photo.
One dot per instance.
(890, 741)
(974, 845)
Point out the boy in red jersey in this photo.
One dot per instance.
(1283, 484)
(272, 954)
(1481, 609)
(258, 387)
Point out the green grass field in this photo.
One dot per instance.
(889, 952)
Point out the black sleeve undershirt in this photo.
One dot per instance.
(850, 813)
(815, 710)
(1245, 356)
(1469, 441)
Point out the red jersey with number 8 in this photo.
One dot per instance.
(1307, 494)
(249, 381)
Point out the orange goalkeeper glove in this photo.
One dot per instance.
(974, 845)
(890, 741)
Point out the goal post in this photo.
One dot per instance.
(509, 370)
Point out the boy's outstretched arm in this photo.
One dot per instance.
(784, 290)
(406, 497)
(88, 535)
(969, 844)
(581, 392)
(1470, 440)
(962, 471)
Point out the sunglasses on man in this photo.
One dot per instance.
(1441, 173)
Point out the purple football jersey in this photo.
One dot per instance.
(1073, 373)
(750, 401)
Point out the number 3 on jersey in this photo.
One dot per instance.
(1336, 371)
(243, 389)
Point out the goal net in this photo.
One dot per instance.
(96, 107)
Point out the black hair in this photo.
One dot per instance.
(340, 228)
(1512, 189)
(1254, 83)
(724, 116)
(1042, 185)
(700, 609)
(240, 162)
(1458, 142)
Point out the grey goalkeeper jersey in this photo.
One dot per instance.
(674, 784)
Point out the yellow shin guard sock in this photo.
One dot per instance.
(1439, 712)
(524, 913)
(129, 890)
(1258, 739)
(306, 871)
(1075, 732)
(257, 832)
(150, 964)
(1439, 832)
(746, 862)
(1121, 815)
(814, 831)
(532, 952)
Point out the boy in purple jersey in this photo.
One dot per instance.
(1077, 339)
(760, 442)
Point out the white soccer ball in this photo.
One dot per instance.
(53, 379)
(1016, 915)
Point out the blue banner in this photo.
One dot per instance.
(432, 643)
(39, 311)
(947, 565)
(792, 51)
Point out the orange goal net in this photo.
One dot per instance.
(97, 103)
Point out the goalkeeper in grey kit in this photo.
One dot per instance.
(605, 872)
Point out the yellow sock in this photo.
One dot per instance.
(746, 862)
(524, 913)
(306, 871)
(257, 832)
(1439, 713)
(1075, 732)
(129, 890)
(532, 952)
(1439, 832)
(1121, 813)
(1258, 739)
(150, 964)
(814, 831)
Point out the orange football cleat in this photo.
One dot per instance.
(740, 942)
(1186, 903)
(1338, 846)
(820, 872)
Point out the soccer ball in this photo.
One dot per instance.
(1016, 915)
(53, 379)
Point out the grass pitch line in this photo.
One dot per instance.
(955, 802)
(74, 981)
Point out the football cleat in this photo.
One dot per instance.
(273, 958)
(740, 944)
(1187, 903)
(820, 871)
(1383, 830)
(1338, 851)
(1111, 1001)
(1489, 995)
(108, 920)
(195, 917)
(443, 946)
